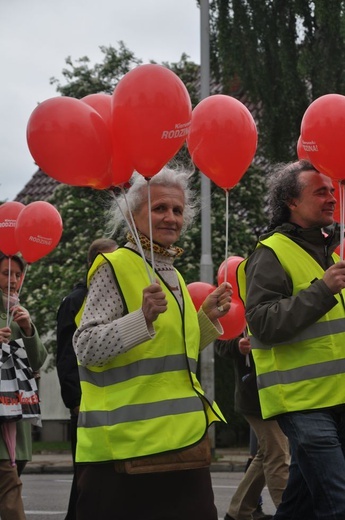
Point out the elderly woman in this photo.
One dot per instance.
(137, 345)
(21, 328)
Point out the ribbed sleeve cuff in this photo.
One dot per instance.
(133, 329)
(208, 330)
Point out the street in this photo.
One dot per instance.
(46, 495)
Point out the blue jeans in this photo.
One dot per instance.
(316, 484)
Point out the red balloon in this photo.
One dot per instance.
(230, 265)
(199, 291)
(222, 139)
(301, 152)
(151, 115)
(322, 132)
(70, 142)
(234, 322)
(102, 104)
(9, 212)
(337, 250)
(38, 230)
(120, 170)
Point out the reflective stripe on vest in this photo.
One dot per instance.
(307, 371)
(147, 400)
(141, 412)
(140, 368)
(324, 328)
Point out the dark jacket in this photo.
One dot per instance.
(66, 361)
(272, 313)
(246, 390)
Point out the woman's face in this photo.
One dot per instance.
(14, 274)
(167, 205)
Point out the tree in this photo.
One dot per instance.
(285, 54)
(52, 277)
(83, 79)
(247, 220)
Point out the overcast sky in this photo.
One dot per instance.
(36, 36)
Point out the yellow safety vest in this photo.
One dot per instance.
(147, 400)
(308, 371)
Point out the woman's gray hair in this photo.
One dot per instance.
(136, 196)
(284, 185)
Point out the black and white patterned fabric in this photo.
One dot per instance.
(18, 389)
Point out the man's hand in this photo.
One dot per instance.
(244, 346)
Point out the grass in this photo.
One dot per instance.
(40, 447)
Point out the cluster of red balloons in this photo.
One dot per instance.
(33, 230)
(100, 140)
(234, 322)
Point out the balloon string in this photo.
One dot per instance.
(132, 228)
(245, 335)
(19, 291)
(8, 293)
(150, 226)
(226, 233)
(342, 218)
(135, 233)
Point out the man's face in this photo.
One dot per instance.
(11, 274)
(315, 205)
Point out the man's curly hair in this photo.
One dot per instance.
(284, 185)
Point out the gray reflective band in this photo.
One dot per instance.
(143, 367)
(295, 375)
(319, 329)
(140, 412)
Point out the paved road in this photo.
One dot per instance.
(45, 496)
(225, 485)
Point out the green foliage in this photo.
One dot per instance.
(189, 73)
(52, 277)
(83, 79)
(247, 220)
